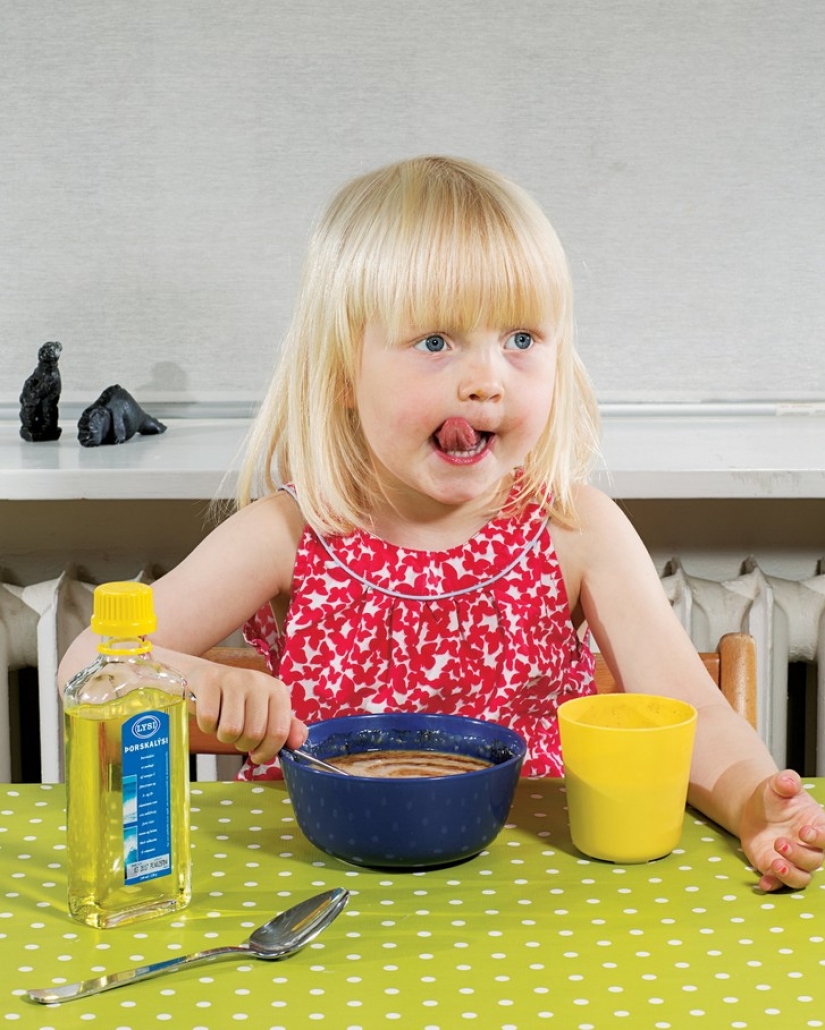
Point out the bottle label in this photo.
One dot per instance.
(147, 816)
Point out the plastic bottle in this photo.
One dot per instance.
(127, 771)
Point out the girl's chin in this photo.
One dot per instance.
(457, 490)
(450, 482)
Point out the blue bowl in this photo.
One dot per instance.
(411, 822)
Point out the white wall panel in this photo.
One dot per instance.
(161, 163)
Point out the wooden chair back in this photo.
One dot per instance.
(732, 667)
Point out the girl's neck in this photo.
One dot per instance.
(430, 526)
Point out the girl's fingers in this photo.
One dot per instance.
(805, 858)
(769, 882)
(783, 874)
(249, 710)
(232, 720)
(787, 783)
(814, 835)
(298, 733)
(207, 711)
(268, 734)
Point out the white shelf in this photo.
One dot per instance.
(194, 458)
(721, 456)
(645, 456)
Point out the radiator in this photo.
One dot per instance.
(786, 617)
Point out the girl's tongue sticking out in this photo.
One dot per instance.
(456, 436)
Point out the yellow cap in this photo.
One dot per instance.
(123, 610)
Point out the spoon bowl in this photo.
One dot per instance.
(289, 931)
(283, 935)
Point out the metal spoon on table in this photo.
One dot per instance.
(280, 937)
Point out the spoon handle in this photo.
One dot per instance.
(82, 989)
(305, 756)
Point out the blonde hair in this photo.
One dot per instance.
(430, 242)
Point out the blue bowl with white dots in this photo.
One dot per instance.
(414, 822)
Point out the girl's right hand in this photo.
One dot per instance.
(246, 708)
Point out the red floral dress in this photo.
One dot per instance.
(482, 629)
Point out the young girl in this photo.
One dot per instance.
(424, 538)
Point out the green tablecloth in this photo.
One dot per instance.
(527, 935)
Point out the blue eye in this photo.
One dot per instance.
(433, 344)
(520, 341)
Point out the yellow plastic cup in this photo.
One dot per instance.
(626, 769)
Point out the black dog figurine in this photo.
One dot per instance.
(41, 392)
(115, 417)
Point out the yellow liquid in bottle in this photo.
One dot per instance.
(98, 893)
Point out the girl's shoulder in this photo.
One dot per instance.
(599, 525)
(281, 518)
(594, 507)
(600, 534)
(277, 514)
(266, 532)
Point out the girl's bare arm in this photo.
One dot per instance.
(613, 586)
(244, 563)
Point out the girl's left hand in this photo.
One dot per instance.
(783, 832)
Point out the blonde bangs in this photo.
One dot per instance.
(451, 247)
(461, 282)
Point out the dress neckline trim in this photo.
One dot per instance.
(529, 546)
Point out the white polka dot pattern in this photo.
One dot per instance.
(528, 934)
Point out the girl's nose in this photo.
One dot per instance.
(480, 383)
(483, 391)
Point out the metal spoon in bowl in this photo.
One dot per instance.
(296, 752)
(281, 936)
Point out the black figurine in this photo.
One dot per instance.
(115, 417)
(41, 392)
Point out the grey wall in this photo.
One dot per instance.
(161, 162)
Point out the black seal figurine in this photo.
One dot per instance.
(41, 392)
(115, 417)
